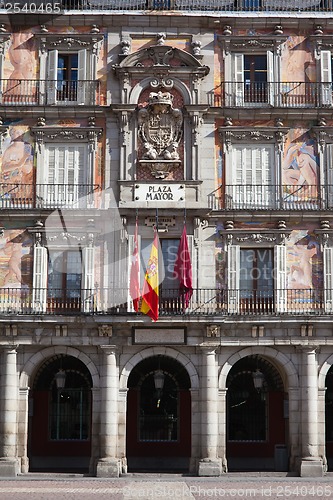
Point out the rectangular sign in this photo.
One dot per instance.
(162, 192)
(159, 336)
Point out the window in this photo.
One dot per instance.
(250, 79)
(256, 274)
(256, 279)
(250, 176)
(64, 277)
(66, 76)
(251, 68)
(64, 180)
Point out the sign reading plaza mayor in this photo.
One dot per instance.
(160, 192)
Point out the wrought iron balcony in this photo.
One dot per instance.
(51, 92)
(215, 6)
(73, 196)
(267, 197)
(204, 302)
(276, 94)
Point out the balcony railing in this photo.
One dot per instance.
(50, 92)
(215, 6)
(268, 197)
(276, 94)
(73, 196)
(204, 302)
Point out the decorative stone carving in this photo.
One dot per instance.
(160, 130)
(105, 330)
(213, 331)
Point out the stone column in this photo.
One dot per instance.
(210, 464)
(109, 465)
(295, 412)
(311, 463)
(9, 464)
(222, 444)
(22, 428)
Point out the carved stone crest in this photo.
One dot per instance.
(160, 130)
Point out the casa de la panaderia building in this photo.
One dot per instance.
(205, 126)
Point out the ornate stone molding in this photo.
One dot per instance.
(49, 41)
(253, 43)
(105, 330)
(321, 42)
(260, 237)
(324, 134)
(71, 134)
(230, 135)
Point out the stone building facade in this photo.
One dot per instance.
(212, 115)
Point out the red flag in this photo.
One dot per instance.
(150, 291)
(135, 272)
(183, 269)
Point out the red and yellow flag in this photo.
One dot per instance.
(149, 303)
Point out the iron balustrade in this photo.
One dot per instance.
(73, 196)
(204, 302)
(49, 92)
(271, 197)
(275, 94)
(215, 6)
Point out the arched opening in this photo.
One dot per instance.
(256, 416)
(60, 416)
(158, 436)
(329, 418)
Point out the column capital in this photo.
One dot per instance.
(208, 349)
(109, 349)
(308, 348)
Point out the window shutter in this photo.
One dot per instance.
(281, 278)
(328, 279)
(88, 260)
(239, 79)
(229, 80)
(52, 66)
(82, 77)
(270, 78)
(329, 174)
(326, 77)
(233, 278)
(39, 279)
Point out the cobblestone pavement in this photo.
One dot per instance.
(164, 487)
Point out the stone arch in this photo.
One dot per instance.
(323, 371)
(36, 359)
(155, 351)
(145, 83)
(268, 352)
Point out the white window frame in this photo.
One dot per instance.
(71, 137)
(236, 166)
(326, 78)
(235, 48)
(87, 46)
(233, 276)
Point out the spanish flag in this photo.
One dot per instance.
(149, 303)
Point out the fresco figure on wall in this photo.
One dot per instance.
(303, 254)
(20, 85)
(300, 170)
(14, 250)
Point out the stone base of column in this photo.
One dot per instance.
(311, 467)
(9, 467)
(108, 467)
(210, 467)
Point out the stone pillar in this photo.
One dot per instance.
(321, 426)
(311, 463)
(9, 464)
(294, 427)
(109, 465)
(222, 444)
(210, 464)
(22, 427)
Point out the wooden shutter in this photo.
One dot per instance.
(233, 278)
(326, 77)
(229, 80)
(270, 78)
(39, 285)
(329, 175)
(52, 66)
(82, 77)
(281, 279)
(88, 261)
(328, 279)
(239, 79)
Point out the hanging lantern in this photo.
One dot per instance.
(159, 378)
(258, 379)
(60, 379)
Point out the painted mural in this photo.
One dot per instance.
(15, 259)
